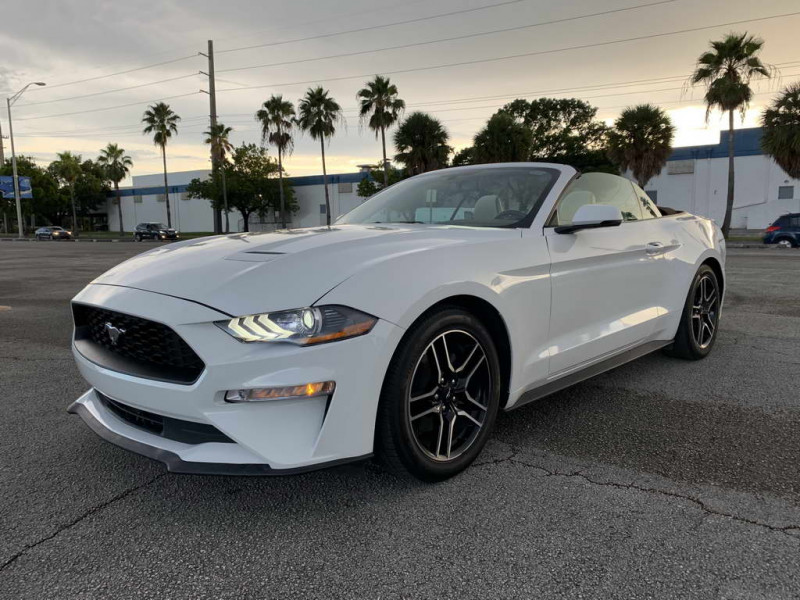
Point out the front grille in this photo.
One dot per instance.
(187, 432)
(143, 347)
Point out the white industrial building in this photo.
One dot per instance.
(144, 201)
(695, 179)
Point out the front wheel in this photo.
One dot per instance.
(697, 331)
(440, 397)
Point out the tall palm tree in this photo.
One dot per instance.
(422, 144)
(641, 141)
(781, 123)
(726, 70)
(379, 101)
(319, 115)
(276, 116)
(162, 122)
(217, 137)
(67, 168)
(117, 165)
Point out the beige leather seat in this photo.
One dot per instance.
(485, 209)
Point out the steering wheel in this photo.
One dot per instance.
(515, 215)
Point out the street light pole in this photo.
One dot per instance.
(9, 103)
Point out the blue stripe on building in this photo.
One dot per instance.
(746, 142)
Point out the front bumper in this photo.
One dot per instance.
(273, 437)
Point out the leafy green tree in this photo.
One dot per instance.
(217, 137)
(464, 157)
(91, 187)
(276, 116)
(421, 141)
(160, 121)
(781, 124)
(641, 141)
(380, 107)
(67, 168)
(253, 184)
(117, 165)
(48, 202)
(727, 70)
(319, 115)
(503, 139)
(561, 128)
(373, 183)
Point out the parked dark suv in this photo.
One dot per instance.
(154, 231)
(785, 231)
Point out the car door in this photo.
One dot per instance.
(607, 281)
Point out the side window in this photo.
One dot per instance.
(649, 209)
(597, 188)
(795, 221)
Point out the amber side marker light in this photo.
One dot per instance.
(292, 392)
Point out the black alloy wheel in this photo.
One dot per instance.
(699, 325)
(440, 397)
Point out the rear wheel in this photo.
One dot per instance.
(700, 320)
(786, 242)
(440, 397)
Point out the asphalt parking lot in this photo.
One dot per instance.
(661, 479)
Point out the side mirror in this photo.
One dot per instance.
(592, 216)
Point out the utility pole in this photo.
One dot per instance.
(212, 101)
(2, 156)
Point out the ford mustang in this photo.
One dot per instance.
(399, 332)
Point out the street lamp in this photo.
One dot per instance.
(10, 102)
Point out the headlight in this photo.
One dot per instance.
(302, 326)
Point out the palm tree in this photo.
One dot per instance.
(217, 137)
(641, 141)
(117, 165)
(276, 116)
(162, 122)
(67, 168)
(319, 115)
(781, 123)
(379, 101)
(422, 144)
(726, 70)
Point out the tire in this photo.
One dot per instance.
(443, 429)
(699, 324)
(137, 237)
(786, 242)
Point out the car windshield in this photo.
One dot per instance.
(475, 196)
(56, 229)
(157, 226)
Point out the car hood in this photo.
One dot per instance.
(260, 272)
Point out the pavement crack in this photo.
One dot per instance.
(786, 530)
(93, 510)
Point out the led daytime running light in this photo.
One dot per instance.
(293, 392)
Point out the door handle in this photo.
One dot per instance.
(654, 247)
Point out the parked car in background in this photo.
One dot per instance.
(400, 332)
(154, 231)
(53, 233)
(785, 231)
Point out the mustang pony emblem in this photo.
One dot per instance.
(113, 333)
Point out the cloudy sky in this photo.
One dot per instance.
(457, 59)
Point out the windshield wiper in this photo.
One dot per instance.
(391, 222)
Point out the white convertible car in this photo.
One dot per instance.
(399, 332)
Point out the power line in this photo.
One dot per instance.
(374, 27)
(513, 56)
(107, 75)
(123, 89)
(105, 108)
(451, 39)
